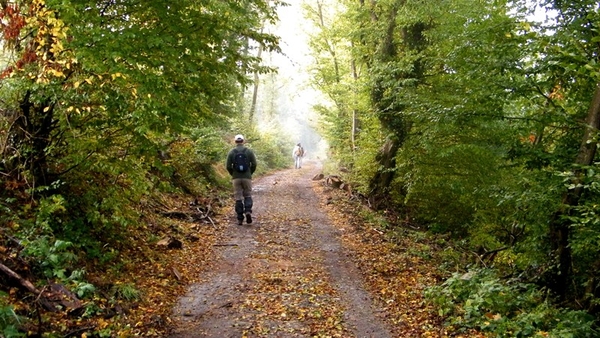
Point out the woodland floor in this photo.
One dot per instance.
(307, 266)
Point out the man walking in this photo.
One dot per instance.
(297, 154)
(241, 164)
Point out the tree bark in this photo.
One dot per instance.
(382, 180)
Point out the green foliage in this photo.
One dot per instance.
(487, 108)
(116, 90)
(91, 310)
(126, 292)
(361, 161)
(50, 211)
(188, 163)
(334, 76)
(54, 257)
(272, 150)
(84, 290)
(479, 299)
(9, 320)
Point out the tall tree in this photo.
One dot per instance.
(577, 24)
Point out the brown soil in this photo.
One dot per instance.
(285, 275)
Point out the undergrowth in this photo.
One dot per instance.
(475, 297)
(481, 299)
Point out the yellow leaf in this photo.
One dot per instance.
(76, 84)
(46, 109)
(102, 323)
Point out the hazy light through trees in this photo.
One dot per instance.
(285, 99)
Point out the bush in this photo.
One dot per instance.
(9, 320)
(479, 299)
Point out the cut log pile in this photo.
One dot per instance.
(333, 181)
(197, 213)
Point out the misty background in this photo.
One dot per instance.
(285, 98)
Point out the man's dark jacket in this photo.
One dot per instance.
(251, 158)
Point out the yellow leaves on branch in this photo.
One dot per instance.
(116, 75)
(47, 42)
(79, 110)
(89, 81)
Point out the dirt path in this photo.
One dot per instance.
(285, 275)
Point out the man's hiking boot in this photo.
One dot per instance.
(248, 218)
(240, 221)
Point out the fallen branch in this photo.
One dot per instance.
(76, 332)
(50, 296)
(25, 283)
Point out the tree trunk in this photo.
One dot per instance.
(255, 89)
(559, 230)
(382, 180)
(390, 118)
(33, 136)
(354, 110)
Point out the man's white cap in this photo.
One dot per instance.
(239, 138)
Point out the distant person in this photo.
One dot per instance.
(297, 154)
(241, 164)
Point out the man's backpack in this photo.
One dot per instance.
(240, 161)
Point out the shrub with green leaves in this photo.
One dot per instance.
(506, 308)
(9, 321)
(53, 256)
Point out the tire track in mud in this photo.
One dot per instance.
(285, 275)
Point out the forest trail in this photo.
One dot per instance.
(285, 275)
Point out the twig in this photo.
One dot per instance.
(77, 331)
(377, 231)
(211, 221)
